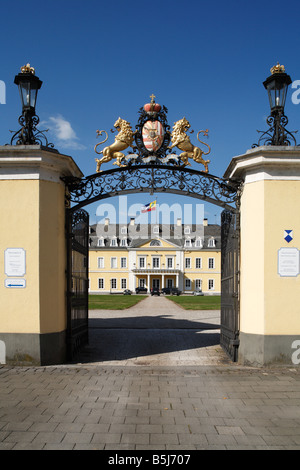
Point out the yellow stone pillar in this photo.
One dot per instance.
(270, 249)
(33, 254)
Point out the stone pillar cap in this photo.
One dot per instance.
(35, 162)
(269, 162)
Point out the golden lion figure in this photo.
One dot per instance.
(123, 140)
(182, 141)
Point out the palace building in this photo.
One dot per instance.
(138, 255)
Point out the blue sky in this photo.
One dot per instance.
(101, 60)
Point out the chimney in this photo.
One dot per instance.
(178, 222)
(205, 223)
(132, 220)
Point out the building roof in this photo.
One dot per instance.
(137, 235)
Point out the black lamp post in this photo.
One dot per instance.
(28, 84)
(277, 85)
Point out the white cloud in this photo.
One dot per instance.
(63, 132)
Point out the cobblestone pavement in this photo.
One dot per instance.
(130, 402)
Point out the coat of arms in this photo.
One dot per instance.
(151, 140)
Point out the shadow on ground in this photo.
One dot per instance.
(161, 337)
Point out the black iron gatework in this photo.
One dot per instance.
(152, 167)
(230, 262)
(152, 178)
(77, 228)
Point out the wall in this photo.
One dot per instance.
(269, 302)
(33, 317)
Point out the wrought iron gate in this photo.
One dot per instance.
(77, 280)
(230, 241)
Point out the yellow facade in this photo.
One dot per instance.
(270, 262)
(33, 300)
(155, 262)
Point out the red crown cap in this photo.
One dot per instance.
(152, 107)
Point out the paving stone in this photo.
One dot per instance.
(153, 402)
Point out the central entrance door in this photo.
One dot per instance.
(156, 283)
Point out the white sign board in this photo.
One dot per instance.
(288, 262)
(15, 262)
(15, 283)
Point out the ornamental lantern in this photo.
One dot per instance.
(276, 85)
(29, 85)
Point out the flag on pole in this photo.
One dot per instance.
(149, 207)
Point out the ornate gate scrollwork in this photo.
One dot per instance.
(77, 231)
(151, 178)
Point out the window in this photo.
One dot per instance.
(187, 262)
(113, 263)
(188, 242)
(198, 243)
(211, 284)
(198, 284)
(211, 263)
(198, 263)
(123, 262)
(211, 243)
(100, 283)
(100, 263)
(123, 230)
(188, 284)
(113, 283)
(123, 283)
(100, 242)
(155, 262)
(187, 230)
(142, 262)
(170, 263)
(124, 242)
(113, 242)
(142, 282)
(155, 243)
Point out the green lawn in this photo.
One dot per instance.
(113, 301)
(194, 302)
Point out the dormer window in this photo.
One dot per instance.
(211, 243)
(123, 230)
(124, 242)
(187, 230)
(113, 242)
(198, 243)
(100, 242)
(188, 242)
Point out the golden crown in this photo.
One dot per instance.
(27, 69)
(277, 69)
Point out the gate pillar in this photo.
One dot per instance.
(33, 254)
(269, 249)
